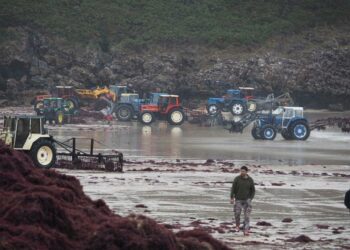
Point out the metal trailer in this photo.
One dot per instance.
(73, 158)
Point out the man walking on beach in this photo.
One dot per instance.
(242, 193)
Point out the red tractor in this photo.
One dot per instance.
(168, 107)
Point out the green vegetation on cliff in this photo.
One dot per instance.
(141, 22)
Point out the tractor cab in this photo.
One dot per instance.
(290, 113)
(133, 99)
(247, 92)
(240, 93)
(154, 97)
(128, 97)
(118, 89)
(27, 133)
(232, 93)
(167, 102)
(18, 129)
(63, 91)
(283, 115)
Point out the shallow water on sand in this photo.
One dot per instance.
(194, 142)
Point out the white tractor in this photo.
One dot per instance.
(27, 133)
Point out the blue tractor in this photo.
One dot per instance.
(237, 101)
(289, 121)
(129, 104)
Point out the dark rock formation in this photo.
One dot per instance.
(316, 78)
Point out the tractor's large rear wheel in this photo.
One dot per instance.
(43, 153)
(299, 130)
(72, 104)
(213, 109)
(147, 117)
(124, 113)
(237, 108)
(255, 133)
(176, 117)
(268, 132)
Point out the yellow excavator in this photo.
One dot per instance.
(98, 97)
(97, 93)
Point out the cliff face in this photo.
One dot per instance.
(315, 69)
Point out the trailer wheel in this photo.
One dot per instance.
(213, 109)
(43, 153)
(268, 132)
(255, 133)
(147, 117)
(299, 130)
(237, 108)
(124, 113)
(109, 165)
(176, 117)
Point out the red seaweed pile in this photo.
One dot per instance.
(43, 209)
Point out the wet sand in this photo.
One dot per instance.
(193, 192)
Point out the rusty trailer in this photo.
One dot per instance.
(70, 157)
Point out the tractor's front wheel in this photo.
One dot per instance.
(124, 113)
(43, 153)
(299, 130)
(213, 109)
(268, 132)
(255, 133)
(237, 108)
(176, 117)
(147, 117)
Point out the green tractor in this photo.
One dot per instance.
(56, 110)
(27, 133)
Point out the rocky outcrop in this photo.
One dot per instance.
(318, 78)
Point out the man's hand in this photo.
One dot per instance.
(232, 201)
